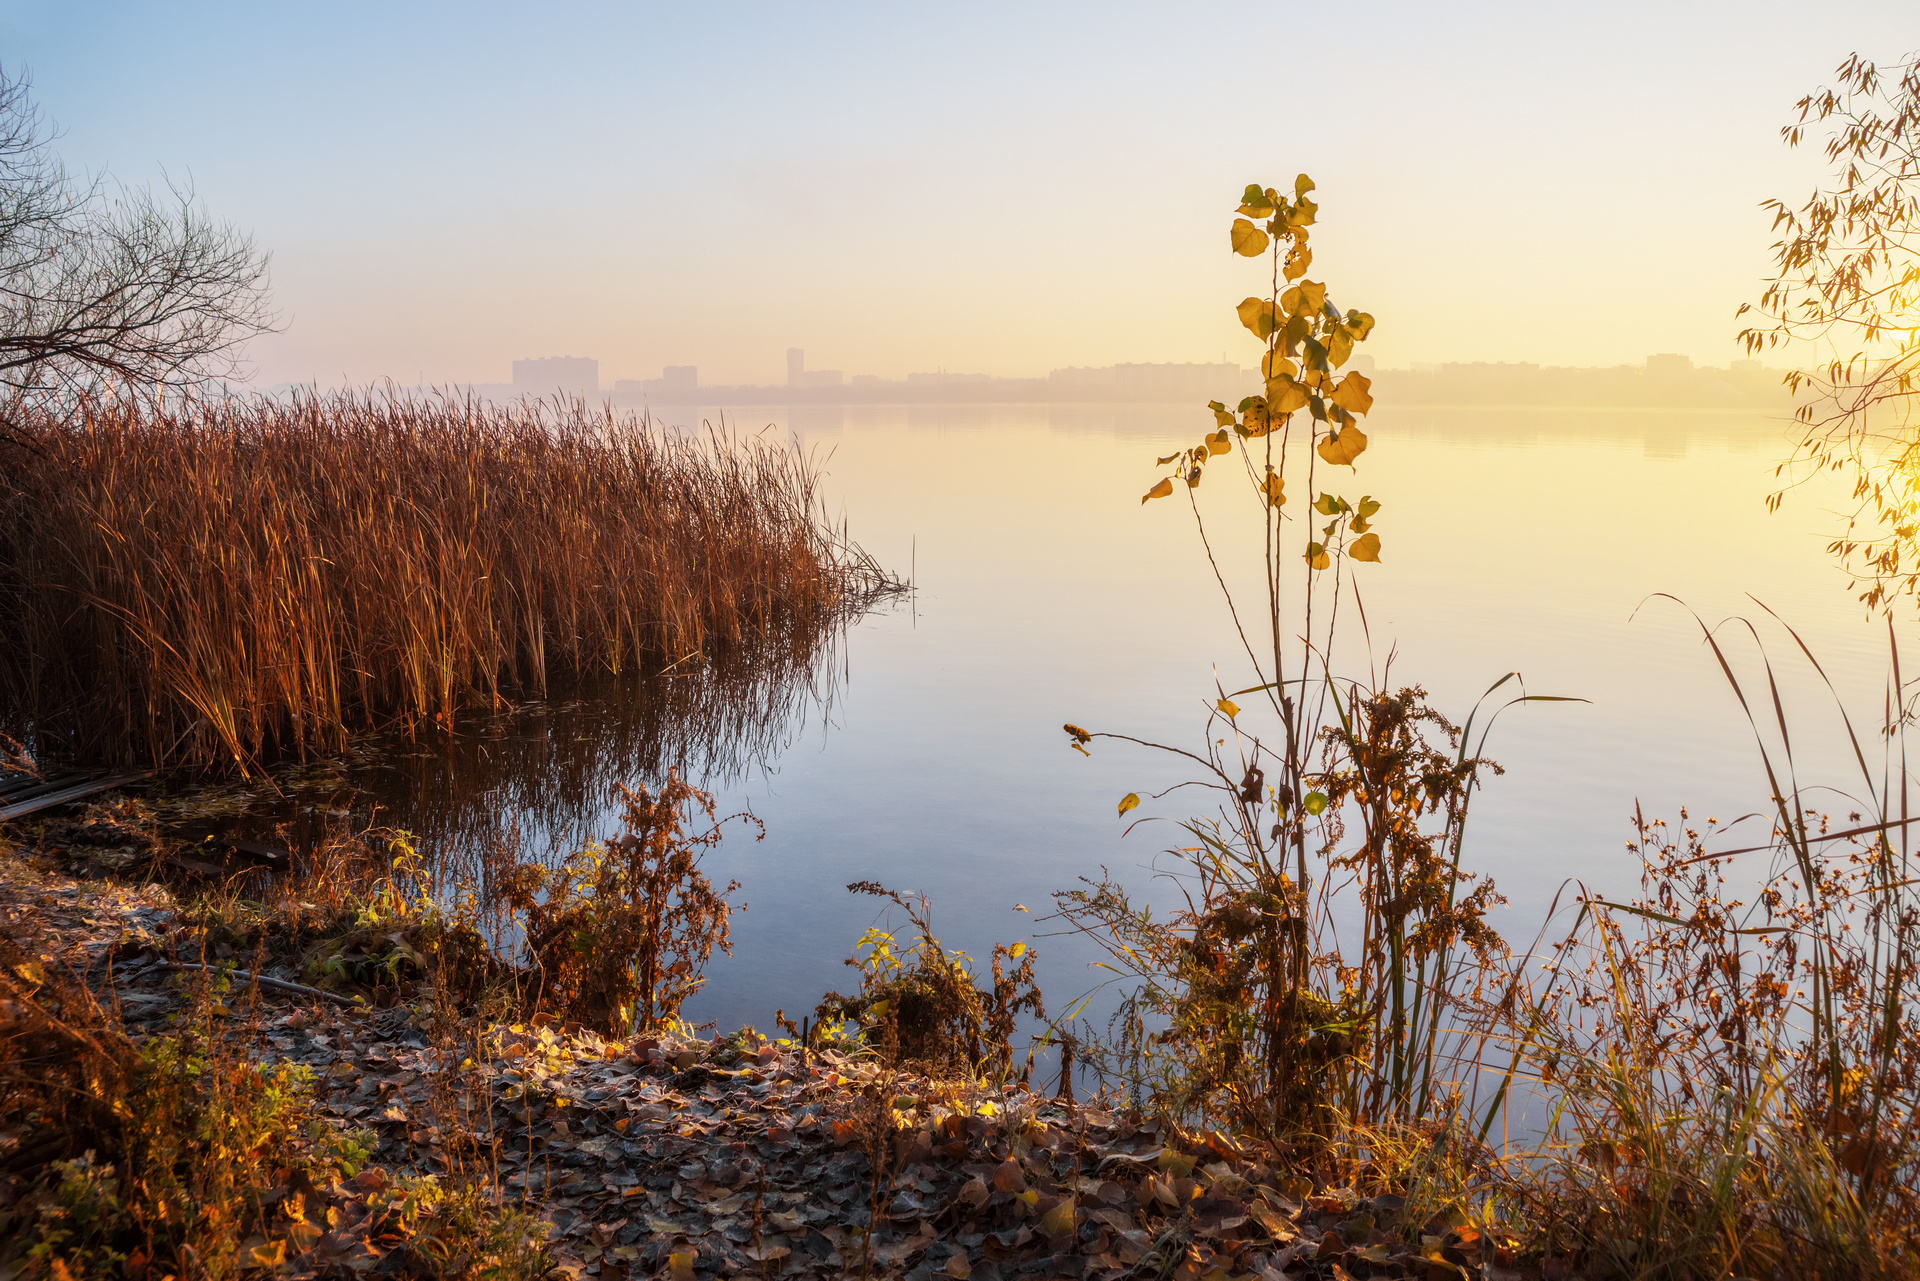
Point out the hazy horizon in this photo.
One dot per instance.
(1002, 191)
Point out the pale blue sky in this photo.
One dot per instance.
(989, 187)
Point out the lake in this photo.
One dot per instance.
(925, 749)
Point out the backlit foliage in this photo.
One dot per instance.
(1845, 303)
(1341, 798)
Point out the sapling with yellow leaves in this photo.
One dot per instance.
(1340, 796)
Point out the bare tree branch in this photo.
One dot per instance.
(111, 285)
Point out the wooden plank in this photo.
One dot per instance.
(23, 787)
(48, 800)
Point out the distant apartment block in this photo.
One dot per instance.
(676, 382)
(573, 375)
(798, 375)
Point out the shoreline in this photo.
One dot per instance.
(686, 1158)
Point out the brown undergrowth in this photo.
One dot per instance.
(219, 581)
(922, 1006)
(153, 1126)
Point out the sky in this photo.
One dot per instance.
(986, 188)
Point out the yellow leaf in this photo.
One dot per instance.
(1256, 203)
(1257, 415)
(1317, 556)
(1275, 365)
(1365, 547)
(1302, 185)
(1231, 708)
(1059, 1219)
(1220, 442)
(1297, 262)
(680, 1266)
(1017, 950)
(1285, 396)
(1161, 490)
(1248, 240)
(1339, 347)
(1290, 301)
(31, 972)
(1131, 801)
(1312, 297)
(1359, 324)
(1275, 489)
(1258, 315)
(270, 1255)
(1354, 393)
(1222, 416)
(1341, 450)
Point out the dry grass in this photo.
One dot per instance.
(217, 582)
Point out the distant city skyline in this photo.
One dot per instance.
(896, 190)
(1667, 379)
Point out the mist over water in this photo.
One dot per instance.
(924, 750)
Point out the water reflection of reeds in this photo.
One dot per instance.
(533, 779)
(539, 779)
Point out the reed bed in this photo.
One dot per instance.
(210, 583)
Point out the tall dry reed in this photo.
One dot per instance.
(212, 582)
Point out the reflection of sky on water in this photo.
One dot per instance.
(1512, 540)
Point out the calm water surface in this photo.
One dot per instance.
(925, 751)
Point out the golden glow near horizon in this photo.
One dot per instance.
(1000, 190)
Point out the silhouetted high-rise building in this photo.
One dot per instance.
(798, 375)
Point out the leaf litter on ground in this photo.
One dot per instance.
(672, 1156)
